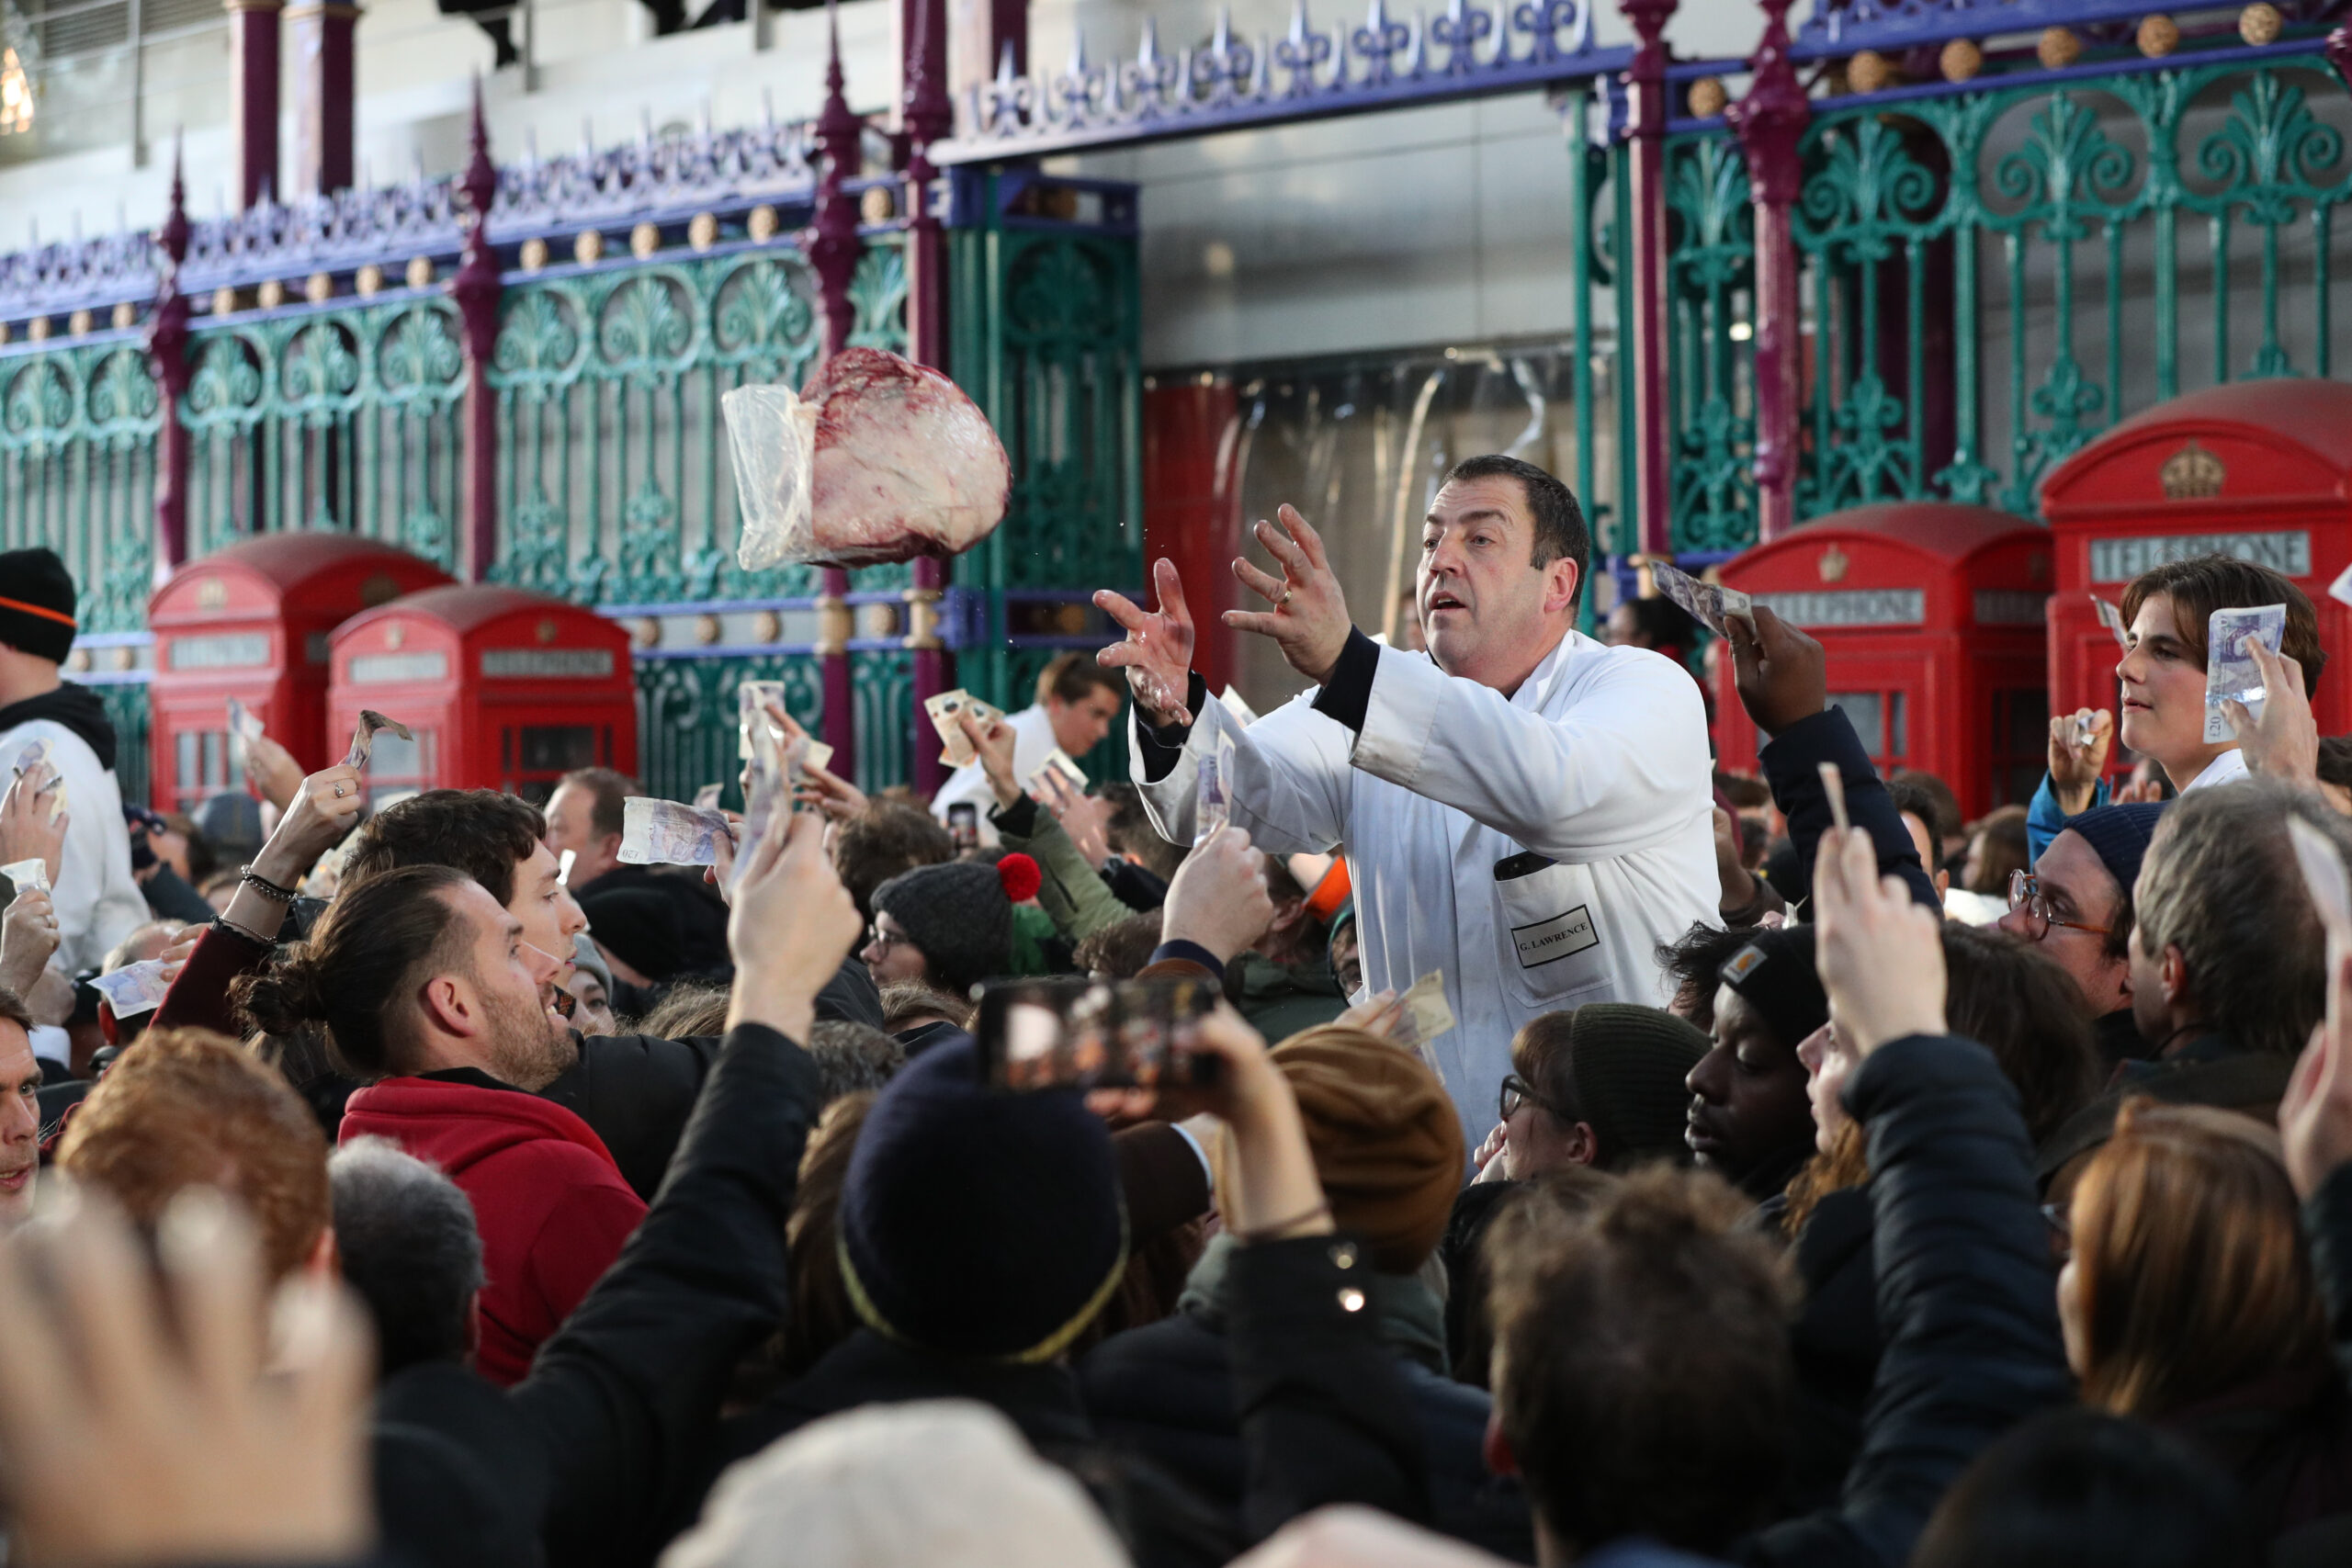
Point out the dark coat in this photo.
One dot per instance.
(2206, 1071)
(702, 913)
(1836, 1342)
(1166, 1391)
(1792, 762)
(1966, 1299)
(1325, 1416)
(606, 1437)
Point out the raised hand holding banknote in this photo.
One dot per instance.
(29, 936)
(29, 828)
(2282, 741)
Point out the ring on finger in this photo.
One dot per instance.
(1287, 591)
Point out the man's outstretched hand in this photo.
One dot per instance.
(1309, 619)
(1157, 652)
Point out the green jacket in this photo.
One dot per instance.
(1071, 891)
(1279, 999)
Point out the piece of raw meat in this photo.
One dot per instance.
(876, 459)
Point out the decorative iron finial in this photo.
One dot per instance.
(1770, 120)
(174, 234)
(481, 184)
(926, 111)
(832, 245)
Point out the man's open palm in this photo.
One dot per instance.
(1157, 652)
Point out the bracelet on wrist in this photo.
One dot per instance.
(264, 886)
(223, 922)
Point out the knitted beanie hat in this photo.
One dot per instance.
(1388, 1142)
(2118, 835)
(1775, 974)
(638, 926)
(959, 915)
(36, 603)
(1628, 1065)
(980, 1222)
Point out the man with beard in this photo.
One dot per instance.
(431, 995)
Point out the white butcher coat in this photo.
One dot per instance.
(1598, 762)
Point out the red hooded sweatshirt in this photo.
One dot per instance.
(550, 1203)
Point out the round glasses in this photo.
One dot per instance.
(2025, 893)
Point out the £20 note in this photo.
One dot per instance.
(1710, 603)
(2229, 669)
(663, 832)
(24, 874)
(134, 988)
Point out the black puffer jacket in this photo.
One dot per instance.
(1836, 1339)
(1164, 1391)
(1966, 1297)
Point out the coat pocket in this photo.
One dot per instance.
(1550, 930)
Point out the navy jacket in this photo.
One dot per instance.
(1792, 762)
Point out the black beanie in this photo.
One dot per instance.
(640, 926)
(1628, 1063)
(978, 1223)
(1775, 974)
(36, 603)
(958, 915)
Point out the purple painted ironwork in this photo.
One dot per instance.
(252, 111)
(1228, 83)
(926, 114)
(324, 95)
(2339, 54)
(167, 356)
(476, 290)
(1770, 121)
(662, 179)
(1841, 27)
(833, 248)
(1645, 114)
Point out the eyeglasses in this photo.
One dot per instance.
(2025, 893)
(1518, 1092)
(884, 940)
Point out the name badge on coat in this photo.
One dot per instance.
(1547, 910)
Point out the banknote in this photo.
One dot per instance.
(1239, 706)
(762, 692)
(2229, 669)
(944, 708)
(24, 874)
(1710, 603)
(707, 797)
(34, 753)
(243, 730)
(768, 781)
(1056, 778)
(1213, 799)
(362, 738)
(2325, 877)
(134, 988)
(2110, 615)
(2341, 589)
(1422, 1016)
(1833, 785)
(663, 832)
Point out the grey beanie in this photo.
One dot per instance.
(958, 915)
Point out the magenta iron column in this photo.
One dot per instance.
(167, 360)
(324, 90)
(1771, 122)
(832, 246)
(1646, 134)
(927, 114)
(253, 97)
(476, 289)
(2339, 53)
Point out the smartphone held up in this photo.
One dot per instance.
(1070, 1033)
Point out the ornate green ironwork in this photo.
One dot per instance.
(1048, 340)
(686, 736)
(343, 418)
(77, 470)
(2074, 235)
(1711, 279)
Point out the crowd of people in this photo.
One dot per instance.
(1597, 1155)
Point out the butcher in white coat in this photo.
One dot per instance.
(1524, 809)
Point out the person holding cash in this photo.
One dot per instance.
(1526, 812)
(2166, 614)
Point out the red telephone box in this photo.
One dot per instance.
(2258, 470)
(504, 689)
(251, 622)
(1931, 617)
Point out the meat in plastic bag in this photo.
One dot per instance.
(876, 459)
